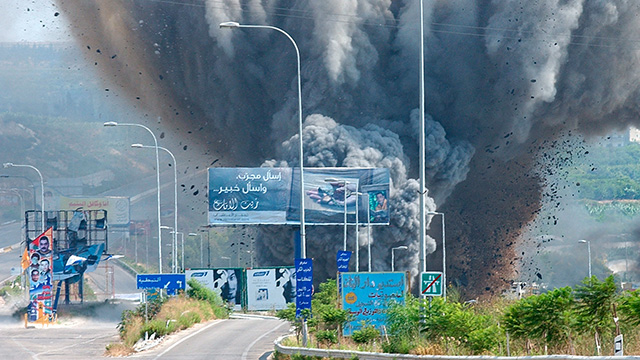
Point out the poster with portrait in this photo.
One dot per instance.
(270, 289)
(40, 276)
(229, 283)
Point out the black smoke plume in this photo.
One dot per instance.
(502, 76)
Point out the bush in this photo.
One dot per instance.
(327, 337)
(365, 335)
(400, 345)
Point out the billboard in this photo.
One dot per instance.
(272, 196)
(117, 207)
(40, 277)
(271, 289)
(204, 277)
(367, 295)
(229, 283)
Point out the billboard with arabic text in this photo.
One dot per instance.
(367, 296)
(272, 196)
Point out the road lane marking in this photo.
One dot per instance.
(187, 337)
(246, 352)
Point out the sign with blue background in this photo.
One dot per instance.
(367, 296)
(342, 260)
(160, 281)
(304, 288)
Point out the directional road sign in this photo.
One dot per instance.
(431, 283)
(160, 281)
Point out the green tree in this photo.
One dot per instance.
(545, 317)
(595, 300)
(630, 308)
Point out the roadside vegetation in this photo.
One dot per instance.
(166, 315)
(562, 321)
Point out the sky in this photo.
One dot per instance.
(32, 21)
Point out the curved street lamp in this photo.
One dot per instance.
(588, 242)
(8, 165)
(175, 190)
(393, 258)
(201, 248)
(232, 25)
(155, 142)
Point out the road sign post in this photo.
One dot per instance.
(431, 283)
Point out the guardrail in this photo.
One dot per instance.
(362, 355)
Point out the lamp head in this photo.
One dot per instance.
(193, 234)
(137, 146)
(582, 241)
(229, 24)
(110, 123)
(403, 247)
(7, 165)
(334, 180)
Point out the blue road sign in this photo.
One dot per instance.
(304, 284)
(342, 260)
(160, 281)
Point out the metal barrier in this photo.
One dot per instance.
(362, 355)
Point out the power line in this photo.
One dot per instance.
(435, 27)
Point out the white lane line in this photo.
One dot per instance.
(187, 337)
(246, 351)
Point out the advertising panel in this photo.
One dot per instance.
(117, 207)
(270, 289)
(229, 284)
(272, 196)
(249, 195)
(367, 296)
(204, 276)
(40, 277)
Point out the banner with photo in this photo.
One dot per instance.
(40, 277)
(367, 296)
(270, 289)
(272, 196)
(229, 283)
(203, 276)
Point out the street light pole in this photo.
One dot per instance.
(444, 256)
(173, 249)
(201, 248)
(393, 258)
(369, 230)
(588, 242)
(175, 188)
(33, 187)
(423, 191)
(8, 165)
(155, 142)
(228, 258)
(232, 24)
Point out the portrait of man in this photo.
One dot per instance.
(35, 277)
(35, 260)
(44, 245)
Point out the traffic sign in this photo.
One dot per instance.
(160, 281)
(431, 283)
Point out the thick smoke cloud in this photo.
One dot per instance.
(501, 77)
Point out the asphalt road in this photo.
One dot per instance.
(84, 331)
(80, 337)
(246, 338)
